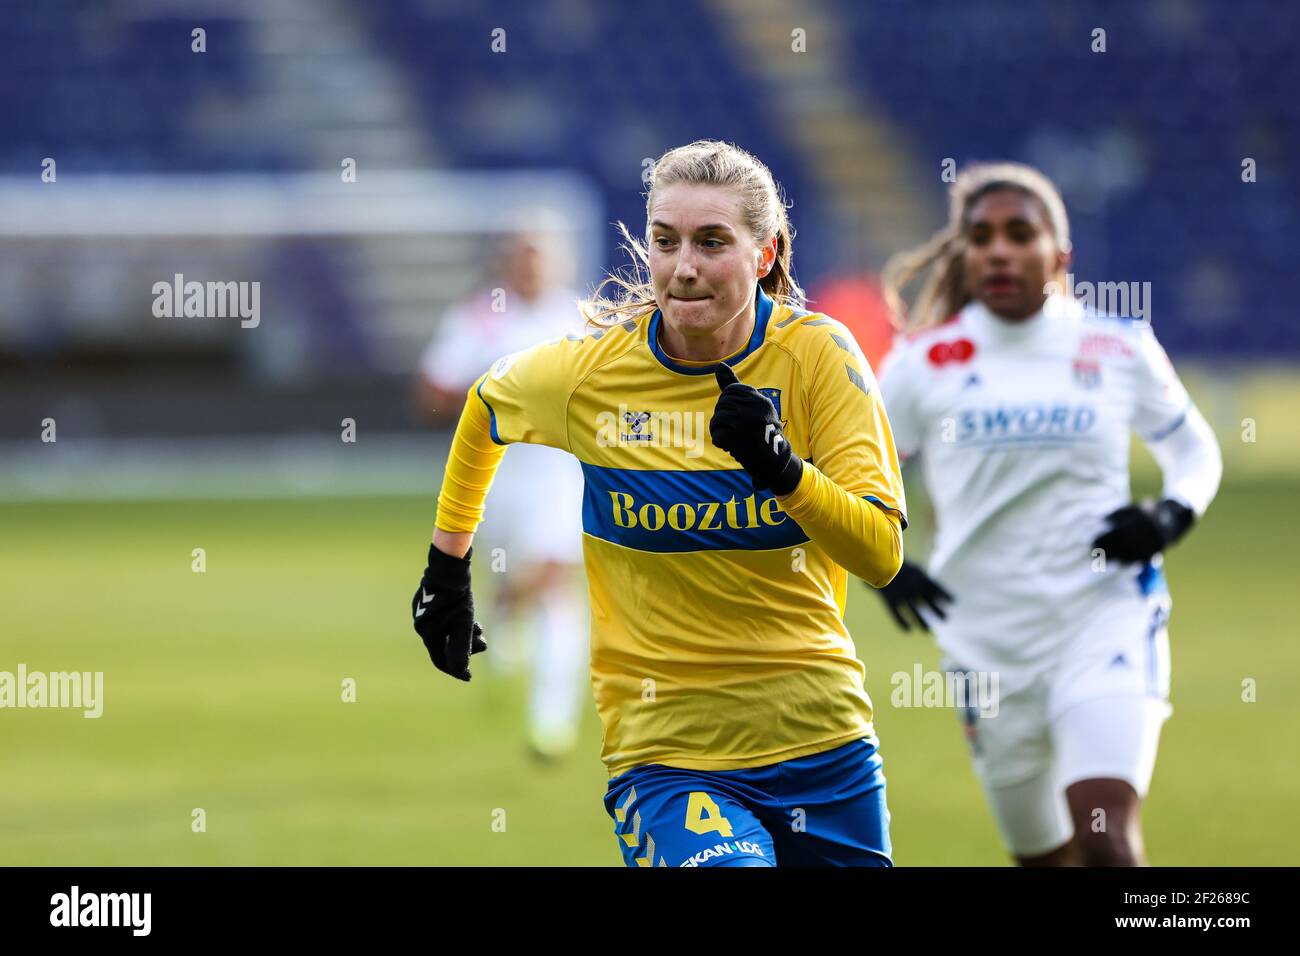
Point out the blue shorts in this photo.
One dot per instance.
(826, 809)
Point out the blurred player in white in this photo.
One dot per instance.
(1021, 403)
(534, 512)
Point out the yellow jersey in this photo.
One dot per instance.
(717, 632)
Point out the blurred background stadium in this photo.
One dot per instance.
(128, 157)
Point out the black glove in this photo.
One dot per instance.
(443, 614)
(1137, 534)
(911, 588)
(745, 424)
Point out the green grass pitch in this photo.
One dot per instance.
(223, 692)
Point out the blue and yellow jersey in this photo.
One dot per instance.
(717, 629)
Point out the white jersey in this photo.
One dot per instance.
(1024, 431)
(471, 336)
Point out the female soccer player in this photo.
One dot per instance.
(719, 519)
(1043, 574)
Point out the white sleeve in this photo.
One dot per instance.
(1161, 400)
(1190, 461)
(897, 389)
(1173, 428)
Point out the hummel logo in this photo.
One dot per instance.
(776, 439)
(424, 599)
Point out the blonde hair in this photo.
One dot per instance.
(705, 162)
(944, 292)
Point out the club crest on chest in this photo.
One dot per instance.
(1087, 372)
(773, 395)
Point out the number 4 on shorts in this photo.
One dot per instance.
(704, 816)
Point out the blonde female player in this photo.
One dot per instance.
(1043, 572)
(719, 519)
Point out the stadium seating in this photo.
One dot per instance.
(1154, 183)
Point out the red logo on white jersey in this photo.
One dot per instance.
(941, 353)
(1098, 344)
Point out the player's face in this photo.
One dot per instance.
(1011, 253)
(703, 261)
(524, 266)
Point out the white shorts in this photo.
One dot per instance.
(533, 511)
(1096, 714)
